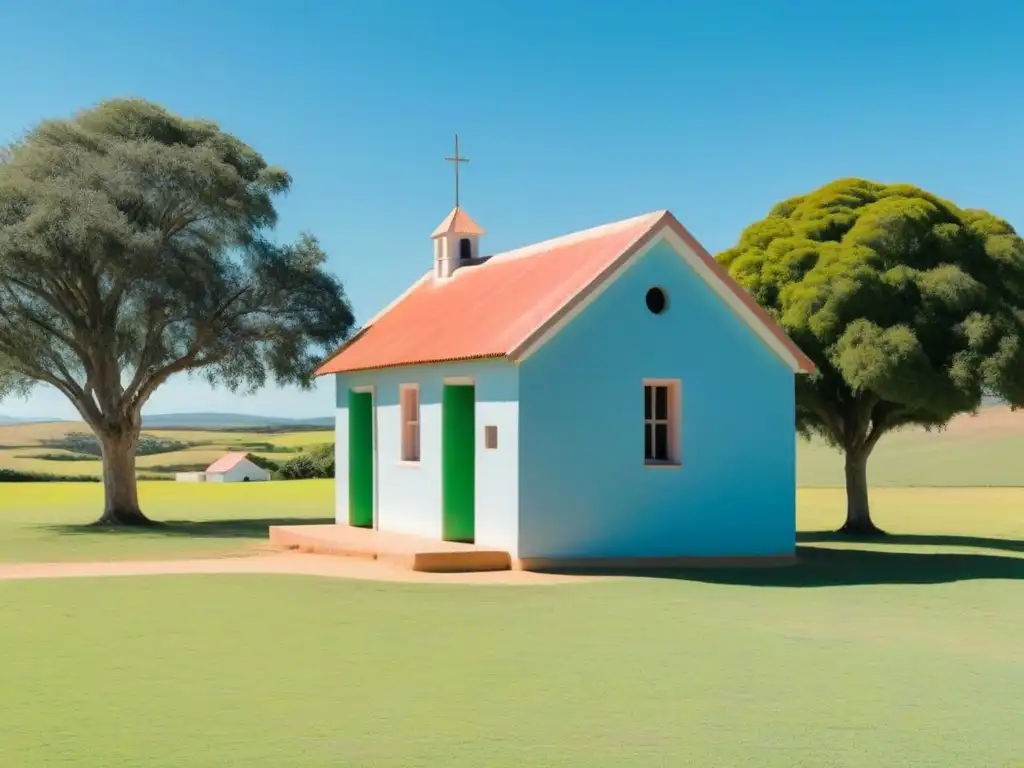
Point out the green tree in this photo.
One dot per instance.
(136, 245)
(912, 308)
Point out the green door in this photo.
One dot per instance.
(360, 459)
(458, 462)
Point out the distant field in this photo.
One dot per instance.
(982, 450)
(22, 448)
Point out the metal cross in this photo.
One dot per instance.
(455, 161)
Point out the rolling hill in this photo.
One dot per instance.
(230, 420)
(26, 420)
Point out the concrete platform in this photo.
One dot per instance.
(403, 551)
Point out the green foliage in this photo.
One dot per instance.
(157, 227)
(265, 447)
(262, 463)
(172, 468)
(912, 308)
(317, 463)
(59, 457)
(904, 301)
(136, 245)
(15, 476)
(85, 444)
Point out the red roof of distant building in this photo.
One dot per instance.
(502, 307)
(227, 462)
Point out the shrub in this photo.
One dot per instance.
(14, 476)
(177, 468)
(317, 463)
(85, 443)
(263, 463)
(253, 446)
(59, 457)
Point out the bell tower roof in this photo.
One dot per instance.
(458, 222)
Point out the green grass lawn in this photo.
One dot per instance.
(46, 521)
(42, 522)
(905, 652)
(815, 668)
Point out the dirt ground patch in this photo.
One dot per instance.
(295, 564)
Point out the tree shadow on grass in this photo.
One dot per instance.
(833, 567)
(914, 539)
(248, 528)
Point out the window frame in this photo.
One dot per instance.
(410, 427)
(673, 421)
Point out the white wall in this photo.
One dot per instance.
(409, 495)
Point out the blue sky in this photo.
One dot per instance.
(572, 112)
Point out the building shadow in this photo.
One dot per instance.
(245, 528)
(819, 566)
(914, 539)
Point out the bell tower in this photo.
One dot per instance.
(457, 238)
(456, 243)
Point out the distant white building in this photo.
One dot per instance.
(235, 468)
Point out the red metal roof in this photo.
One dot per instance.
(227, 462)
(499, 307)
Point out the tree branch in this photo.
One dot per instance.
(64, 383)
(831, 420)
(879, 426)
(147, 386)
(26, 314)
(141, 388)
(154, 332)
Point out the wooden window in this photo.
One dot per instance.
(410, 402)
(490, 437)
(662, 422)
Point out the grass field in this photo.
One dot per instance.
(44, 521)
(917, 459)
(902, 653)
(981, 450)
(22, 447)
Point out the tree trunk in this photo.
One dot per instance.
(858, 511)
(121, 491)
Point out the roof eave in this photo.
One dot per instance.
(406, 364)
